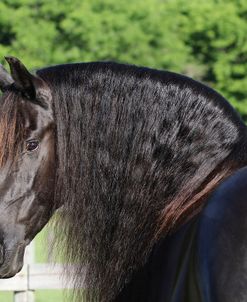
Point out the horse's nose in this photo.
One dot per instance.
(1, 254)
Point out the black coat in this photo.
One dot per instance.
(205, 261)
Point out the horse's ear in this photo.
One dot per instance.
(33, 87)
(5, 79)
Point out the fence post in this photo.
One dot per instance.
(28, 295)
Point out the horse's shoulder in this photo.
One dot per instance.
(221, 243)
(230, 194)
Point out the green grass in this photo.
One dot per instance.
(49, 296)
(40, 296)
(6, 297)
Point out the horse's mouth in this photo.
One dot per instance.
(10, 274)
(13, 262)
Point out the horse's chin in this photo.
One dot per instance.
(13, 262)
(10, 274)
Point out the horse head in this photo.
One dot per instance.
(26, 162)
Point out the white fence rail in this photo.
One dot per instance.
(33, 277)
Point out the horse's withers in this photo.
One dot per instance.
(27, 163)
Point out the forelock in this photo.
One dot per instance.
(12, 128)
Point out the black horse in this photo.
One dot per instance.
(131, 154)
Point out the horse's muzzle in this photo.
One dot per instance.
(11, 260)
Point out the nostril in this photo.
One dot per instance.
(1, 254)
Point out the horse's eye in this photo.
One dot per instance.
(32, 145)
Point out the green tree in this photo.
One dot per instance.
(216, 33)
(203, 39)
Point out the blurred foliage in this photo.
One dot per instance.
(206, 40)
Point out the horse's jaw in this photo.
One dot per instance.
(12, 259)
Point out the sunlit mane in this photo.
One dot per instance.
(138, 152)
(12, 128)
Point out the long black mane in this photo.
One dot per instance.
(138, 152)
